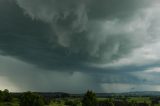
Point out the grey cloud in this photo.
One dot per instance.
(28, 77)
(64, 35)
(71, 36)
(80, 34)
(102, 9)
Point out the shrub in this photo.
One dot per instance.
(89, 99)
(31, 99)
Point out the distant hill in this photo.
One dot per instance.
(138, 93)
(144, 93)
(63, 95)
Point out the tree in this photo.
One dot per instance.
(89, 99)
(31, 99)
(1, 95)
(109, 102)
(5, 96)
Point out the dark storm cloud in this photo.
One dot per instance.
(102, 9)
(66, 35)
(90, 40)
(29, 40)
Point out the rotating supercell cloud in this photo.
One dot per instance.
(75, 45)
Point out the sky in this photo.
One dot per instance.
(78, 45)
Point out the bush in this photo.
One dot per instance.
(72, 102)
(69, 103)
(31, 99)
(5, 96)
(89, 99)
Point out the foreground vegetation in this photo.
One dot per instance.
(88, 99)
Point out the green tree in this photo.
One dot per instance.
(7, 96)
(1, 96)
(31, 99)
(109, 102)
(89, 99)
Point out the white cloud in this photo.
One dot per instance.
(153, 70)
(143, 29)
(148, 54)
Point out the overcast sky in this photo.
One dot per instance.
(76, 45)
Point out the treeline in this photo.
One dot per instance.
(121, 103)
(25, 99)
(88, 99)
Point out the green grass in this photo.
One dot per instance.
(139, 99)
(102, 99)
(9, 104)
(15, 102)
(61, 103)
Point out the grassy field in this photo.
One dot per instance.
(9, 104)
(129, 99)
(15, 102)
(61, 102)
(139, 99)
(56, 104)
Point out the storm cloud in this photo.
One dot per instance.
(96, 40)
(74, 34)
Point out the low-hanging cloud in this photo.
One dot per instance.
(99, 41)
(91, 31)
